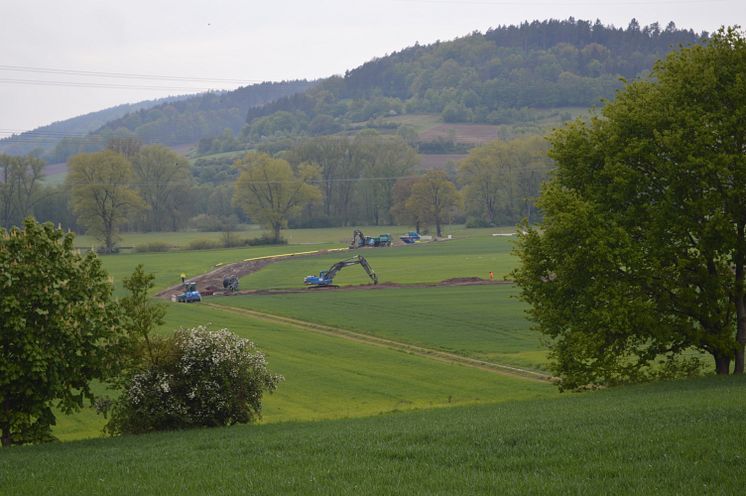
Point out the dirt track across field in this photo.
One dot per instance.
(213, 280)
(211, 283)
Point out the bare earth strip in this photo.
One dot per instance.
(214, 278)
(387, 343)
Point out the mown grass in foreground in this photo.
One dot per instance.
(683, 437)
(485, 322)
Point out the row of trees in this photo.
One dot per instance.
(144, 185)
(366, 179)
(500, 180)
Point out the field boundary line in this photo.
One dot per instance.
(339, 332)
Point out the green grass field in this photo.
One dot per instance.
(472, 249)
(678, 438)
(331, 377)
(485, 322)
(333, 235)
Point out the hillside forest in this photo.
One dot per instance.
(363, 140)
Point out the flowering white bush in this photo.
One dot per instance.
(206, 378)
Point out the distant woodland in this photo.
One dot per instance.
(349, 134)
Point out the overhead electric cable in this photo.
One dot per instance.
(123, 75)
(83, 84)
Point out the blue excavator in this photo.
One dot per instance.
(325, 279)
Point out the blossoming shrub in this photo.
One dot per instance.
(202, 378)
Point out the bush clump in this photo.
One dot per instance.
(200, 378)
(265, 239)
(153, 247)
(203, 244)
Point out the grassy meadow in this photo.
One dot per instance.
(356, 416)
(678, 438)
(331, 377)
(484, 322)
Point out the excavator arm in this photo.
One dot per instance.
(326, 278)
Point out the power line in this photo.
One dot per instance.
(124, 75)
(83, 84)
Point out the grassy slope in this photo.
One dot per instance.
(329, 377)
(485, 322)
(667, 438)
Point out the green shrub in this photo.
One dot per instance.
(201, 378)
(202, 244)
(265, 239)
(155, 246)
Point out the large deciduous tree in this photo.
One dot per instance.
(19, 185)
(163, 179)
(641, 254)
(270, 192)
(102, 193)
(433, 199)
(58, 329)
(502, 179)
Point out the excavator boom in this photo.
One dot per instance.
(326, 278)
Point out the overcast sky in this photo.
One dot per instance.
(252, 41)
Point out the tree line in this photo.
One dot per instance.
(501, 76)
(368, 179)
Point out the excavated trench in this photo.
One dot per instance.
(211, 283)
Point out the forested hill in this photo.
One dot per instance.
(485, 77)
(170, 121)
(209, 114)
(45, 138)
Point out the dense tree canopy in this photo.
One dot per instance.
(58, 329)
(163, 179)
(502, 179)
(270, 192)
(433, 199)
(102, 193)
(19, 187)
(641, 255)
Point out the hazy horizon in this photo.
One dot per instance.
(201, 42)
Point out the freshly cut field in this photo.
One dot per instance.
(484, 322)
(426, 262)
(331, 377)
(678, 438)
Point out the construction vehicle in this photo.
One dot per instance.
(230, 283)
(190, 294)
(360, 240)
(411, 237)
(325, 279)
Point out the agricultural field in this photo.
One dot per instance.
(678, 438)
(484, 322)
(420, 263)
(331, 377)
(358, 378)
